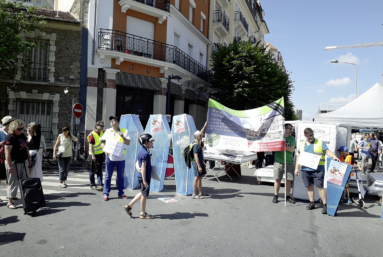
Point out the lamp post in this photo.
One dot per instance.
(356, 75)
(170, 77)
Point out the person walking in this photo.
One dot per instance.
(144, 176)
(97, 154)
(376, 149)
(3, 133)
(353, 147)
(115, 133)
(279, 166)
(311, 176)
(365, 145)
(64, 147)
(198, 166)
(34, 137)
(17, 159)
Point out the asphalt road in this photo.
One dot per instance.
(238, 219)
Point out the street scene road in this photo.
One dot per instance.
(238, 219)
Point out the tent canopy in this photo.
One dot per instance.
(365, 111)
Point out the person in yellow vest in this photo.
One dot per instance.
(346, 158)
(112, 161)
(311, 176)
(98, 155)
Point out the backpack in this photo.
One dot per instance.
(187, 154)
(2, 152)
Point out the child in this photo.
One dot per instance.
(144, 175)
(346, 158)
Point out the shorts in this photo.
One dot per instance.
(144, 190)
(196, 172)
(279, 170)
(313, 178)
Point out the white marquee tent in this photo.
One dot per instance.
(365, 111)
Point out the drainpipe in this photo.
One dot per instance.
(94, 31)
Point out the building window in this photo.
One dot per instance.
(38, 3)
(178, 4)
(39, 59)
(176, 40)
(191, 13)
(190, 49)
(201, 58)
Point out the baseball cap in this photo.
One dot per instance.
(343, 149)
(112, 117)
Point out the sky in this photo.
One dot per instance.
(301, 29)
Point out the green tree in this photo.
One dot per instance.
(15, 20)
(246, 77)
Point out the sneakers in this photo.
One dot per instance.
(290, 199)
(349, 201)
(63, 185)
(324, 210)
(100, 188)
(122, 197)
(93, 187)
(275, 199)
(311, 206)
(105, 198)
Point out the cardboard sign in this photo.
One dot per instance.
(309, 160)
(114, 147)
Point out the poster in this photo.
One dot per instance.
(156, 125)
(309, 160)
(336, 181)
(259, 130)
(179, 125)
(114, 147)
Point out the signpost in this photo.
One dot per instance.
(77, 110)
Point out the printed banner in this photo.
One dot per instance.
(336, 181)
(179, 124)
(258, 130)
(156, 125)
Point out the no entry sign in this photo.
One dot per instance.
(77, 110)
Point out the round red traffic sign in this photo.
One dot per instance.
(169, 167)
(77, 110)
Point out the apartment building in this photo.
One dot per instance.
(277, 56)
(48, 4)
(236, 20)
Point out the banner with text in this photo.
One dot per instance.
(258, 130)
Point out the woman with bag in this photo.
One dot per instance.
(64, 154)
(34, 137)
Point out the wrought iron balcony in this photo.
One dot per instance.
(114, 40)
(238, 16)
(216, 46)
(36, 74)
(254, 9)
(160, 4)
(221, 17)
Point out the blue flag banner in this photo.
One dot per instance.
(337, 176)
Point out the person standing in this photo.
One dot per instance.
(259, 161)
(34, 137)
(311, 176)
(144, 176)
(198, 166)
(17, 159)
(64, 145)
(42, 150)
(97, 154)
(3, 133)
(279, 165)
(111, 161)
(376, 148)
(365, 145)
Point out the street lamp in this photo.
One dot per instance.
(356, 75)
(170, 77)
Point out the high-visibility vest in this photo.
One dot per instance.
(348, 160)
(97, 149)
(317, 150)
(110, 136)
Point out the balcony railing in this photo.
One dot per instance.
(216, 46)
(237, 39)
(254, 9)
(131, 44)
(36, 74)
(160, 4)
(220, 16)
(239, 16)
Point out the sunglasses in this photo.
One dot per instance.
(100, 125)
(309, 136)
(20, 129)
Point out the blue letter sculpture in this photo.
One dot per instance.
(132, 124)
(158, 127)
(183, 129)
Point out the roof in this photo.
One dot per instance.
(61, 16)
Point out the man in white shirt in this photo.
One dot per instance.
(120, 135)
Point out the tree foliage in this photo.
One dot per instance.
(246, 77)
(15, 20)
